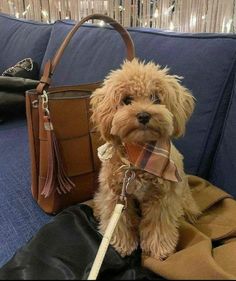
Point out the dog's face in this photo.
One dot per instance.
(140, 103)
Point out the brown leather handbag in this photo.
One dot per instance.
(63, 145)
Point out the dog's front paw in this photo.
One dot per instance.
(158, 251)
(125, 247)
(159, 246)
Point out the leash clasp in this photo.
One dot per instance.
(129, 177)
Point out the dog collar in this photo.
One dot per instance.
(152, 157)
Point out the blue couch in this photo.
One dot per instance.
(206, 61)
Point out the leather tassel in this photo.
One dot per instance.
(56, 175)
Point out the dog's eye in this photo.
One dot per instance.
(155, 99)
(127, 100)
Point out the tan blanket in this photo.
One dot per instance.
(207, 250)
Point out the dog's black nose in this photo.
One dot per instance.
(143, 117)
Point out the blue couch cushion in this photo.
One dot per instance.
(224, 164)
(204, 60)
(20, 216)
(21, 39)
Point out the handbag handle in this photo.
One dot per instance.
(51, 64)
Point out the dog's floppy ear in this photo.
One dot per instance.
(103, 110)
(180, 102)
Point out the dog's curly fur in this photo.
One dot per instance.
(153, 222)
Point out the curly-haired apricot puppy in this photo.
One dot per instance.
(155, 205)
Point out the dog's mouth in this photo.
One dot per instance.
(143, 128)
(141, 133)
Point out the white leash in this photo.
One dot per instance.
(105, 242)
(120, 207)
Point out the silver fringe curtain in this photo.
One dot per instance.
(177, 15)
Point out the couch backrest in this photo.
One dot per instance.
(21, 39)
(206, 61)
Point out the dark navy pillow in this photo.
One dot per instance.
(21, 39)
(204, 60)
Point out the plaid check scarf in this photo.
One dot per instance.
(154, 158)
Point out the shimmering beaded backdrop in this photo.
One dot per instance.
(178, 15)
